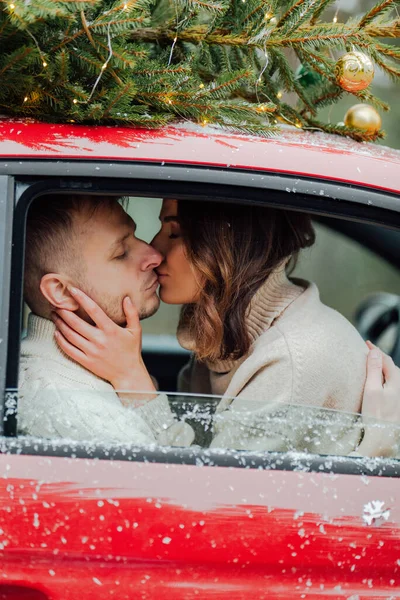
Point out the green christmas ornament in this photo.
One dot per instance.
(306, 76)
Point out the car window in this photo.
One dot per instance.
(227, 404)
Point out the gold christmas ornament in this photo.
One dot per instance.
(363, 116)
(354, 71)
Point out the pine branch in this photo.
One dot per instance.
(147, 62)
(384, 31)
(325, 99)
(356, 134)
(299, 13)
(377, 10)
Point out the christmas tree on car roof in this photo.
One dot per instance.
(147, 63)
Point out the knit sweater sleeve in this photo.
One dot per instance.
(81, 415)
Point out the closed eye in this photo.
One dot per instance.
(121, 256)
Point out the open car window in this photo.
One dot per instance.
(283, 416)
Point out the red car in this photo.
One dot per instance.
(100, 521)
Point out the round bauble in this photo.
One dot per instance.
(354, 71)
(363, 116)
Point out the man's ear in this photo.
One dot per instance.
(54, 288)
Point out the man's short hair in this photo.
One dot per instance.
(50, 241)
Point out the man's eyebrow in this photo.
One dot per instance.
(169, 219)
(119, 241)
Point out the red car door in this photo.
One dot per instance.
(91, 528)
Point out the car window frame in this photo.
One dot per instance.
(6, 216)
(340, 201)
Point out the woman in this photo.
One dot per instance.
(261, 341)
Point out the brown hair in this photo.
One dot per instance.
(233, 249)
(50, 241)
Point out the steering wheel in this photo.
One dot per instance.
(375, 315)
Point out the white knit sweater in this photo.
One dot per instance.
(300, 385)
(60, 399)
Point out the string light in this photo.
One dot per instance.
(26, 99)
(335, 18)
(279, 94)
(172, 49)
(125, 6)
(11, 6)
(201, 86)
(298, 124)
(264, 67)
(75, 101)
(44, 64)
(268, 16)
(104, 66)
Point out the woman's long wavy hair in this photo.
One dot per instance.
(234, 249)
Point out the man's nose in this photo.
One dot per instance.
(156, 243)
(152, 258)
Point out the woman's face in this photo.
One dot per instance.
(178, 283)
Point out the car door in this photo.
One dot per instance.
(196, 524)
(101, 521)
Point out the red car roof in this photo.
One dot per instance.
(293, 151)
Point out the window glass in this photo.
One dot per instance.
(194, 420)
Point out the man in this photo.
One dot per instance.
(86, 242)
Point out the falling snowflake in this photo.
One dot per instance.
(374, 512)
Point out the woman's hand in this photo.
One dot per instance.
(107, 350)
(381, 402)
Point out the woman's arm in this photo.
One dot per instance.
(111, 352)
(114, 354)
(381, 402)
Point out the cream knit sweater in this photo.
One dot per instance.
(305, 360)
(60, 399)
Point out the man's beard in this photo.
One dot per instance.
(113, 307)
(149, 312)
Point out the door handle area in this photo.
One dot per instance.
(20, 592)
